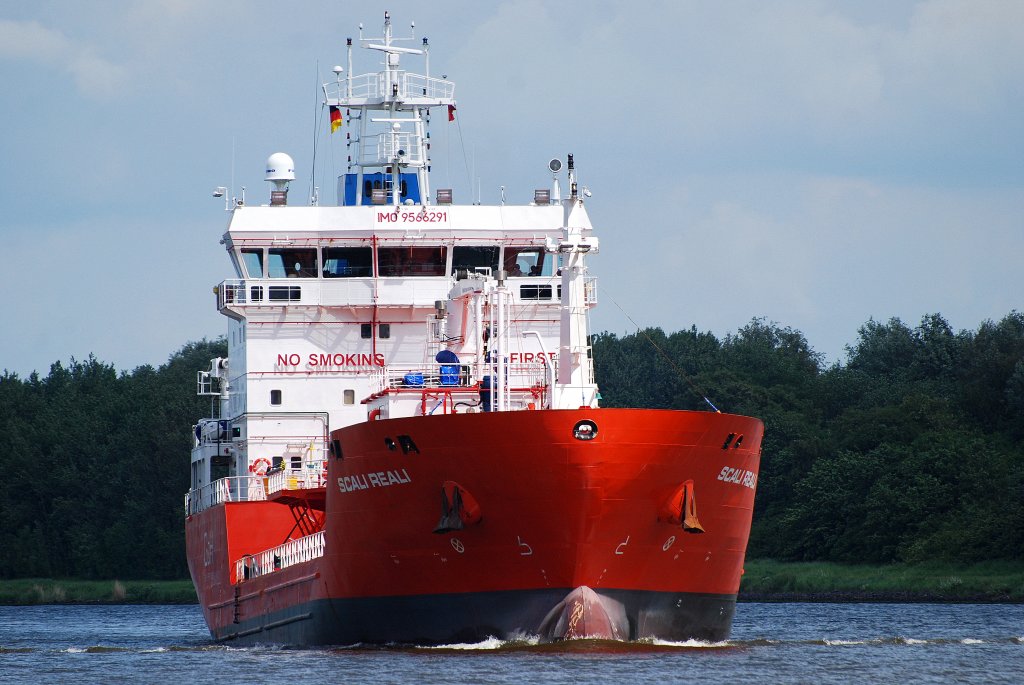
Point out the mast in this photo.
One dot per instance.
(392, 106)
(574, 386)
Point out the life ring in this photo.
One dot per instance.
(260, 466)
(374, 415)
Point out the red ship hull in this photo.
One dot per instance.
(458, 527)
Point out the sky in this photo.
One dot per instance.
(813, 163)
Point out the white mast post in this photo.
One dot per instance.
(499, 336)
(575, 374)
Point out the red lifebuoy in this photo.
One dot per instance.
(260, 466)
(374, 415)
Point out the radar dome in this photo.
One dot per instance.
(280, 167)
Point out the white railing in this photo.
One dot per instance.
(364, 86)
(229, 489)
(389, 145)
(417, 85)
(426, 376)
(311, 477)
(434, 377)
(373, 87)
(276, 558)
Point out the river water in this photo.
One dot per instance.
(770, 643)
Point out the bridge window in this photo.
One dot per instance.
(527, 261)
(411, 261)
(535, 292)
(379, 184)
(473, 257)
(253, 260)
(291, 262)
(348, 262)
(285, 293)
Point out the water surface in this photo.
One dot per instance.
(770, 643)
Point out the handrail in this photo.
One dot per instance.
(293, 552)
(289, 479)
(228, 489)
(372, 86)
(430, 376)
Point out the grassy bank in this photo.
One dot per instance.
(44, 591)
(764, 580)
(994, 581)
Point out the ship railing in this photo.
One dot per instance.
(426, 376)
(418, 85)
(373, 86)
(227, 489)
(451, 376)
(290, 553)
(364, 86)
(313, 476)
(392, 145)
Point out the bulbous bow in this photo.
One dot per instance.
(585, 615)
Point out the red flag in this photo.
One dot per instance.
(451, 112)
(335, 118)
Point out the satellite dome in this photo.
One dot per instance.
(280, 167)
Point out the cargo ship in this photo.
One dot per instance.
(408, 445)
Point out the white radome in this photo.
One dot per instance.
(280, 167)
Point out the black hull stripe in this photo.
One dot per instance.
(470, 618)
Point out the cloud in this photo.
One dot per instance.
(128, 290)
(29, 40)
(812, 161)
(810, 87)
(822, 254)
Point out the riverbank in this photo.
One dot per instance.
(763, 581)
(773, 581)
(26, 591)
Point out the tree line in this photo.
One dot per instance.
(910, 450)
(95, 466)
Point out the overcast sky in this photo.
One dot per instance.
(816, 163)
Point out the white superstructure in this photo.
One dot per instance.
(388, 304)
